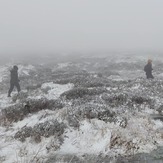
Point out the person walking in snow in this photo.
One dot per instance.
(148, 69)
(14, 81)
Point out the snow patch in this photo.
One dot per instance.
(55, 90)
(91, 138)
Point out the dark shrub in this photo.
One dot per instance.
(81, 92)
(140, 100)
(18, 111)
(45, 129)
(33, 87)
(115, 100)
(105, 116)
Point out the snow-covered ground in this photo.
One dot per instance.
(129, 131)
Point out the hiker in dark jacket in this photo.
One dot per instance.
(148, 69)
(14, 81)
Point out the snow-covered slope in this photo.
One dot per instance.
(80, 113)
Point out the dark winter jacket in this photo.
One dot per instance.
(14, 76)
(148, 69)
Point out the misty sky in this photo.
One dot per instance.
(47, 26)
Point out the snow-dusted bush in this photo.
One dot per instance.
(117, 142)
(13, 114)
(17, 112)
(93, 83)
(69, 74)
(104, 71)
(125, 66)
(81, 92)
(73, 121)
(80, 80)
(64, 159)
(54, 144)
(35, 105)
(115, 99)
(77, 113)
(46, 129)
(63, 81)
(77, 80)
(24, 133)
(140, 100)
(155, 156)
(106, 116)
(119, 120)
(160, 110)
(22, 96)
(85, 158)
(33, 87)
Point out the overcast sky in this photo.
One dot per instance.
(47, 26)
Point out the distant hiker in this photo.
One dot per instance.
(14, 81)
(148, 69)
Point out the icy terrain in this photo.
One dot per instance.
(85, 110)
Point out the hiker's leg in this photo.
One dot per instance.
(11, 89)
(18, 87)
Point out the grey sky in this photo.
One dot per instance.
(47, 26)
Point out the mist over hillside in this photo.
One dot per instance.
(77, 56)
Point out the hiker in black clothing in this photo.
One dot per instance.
(148, 69)
(14, 81)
